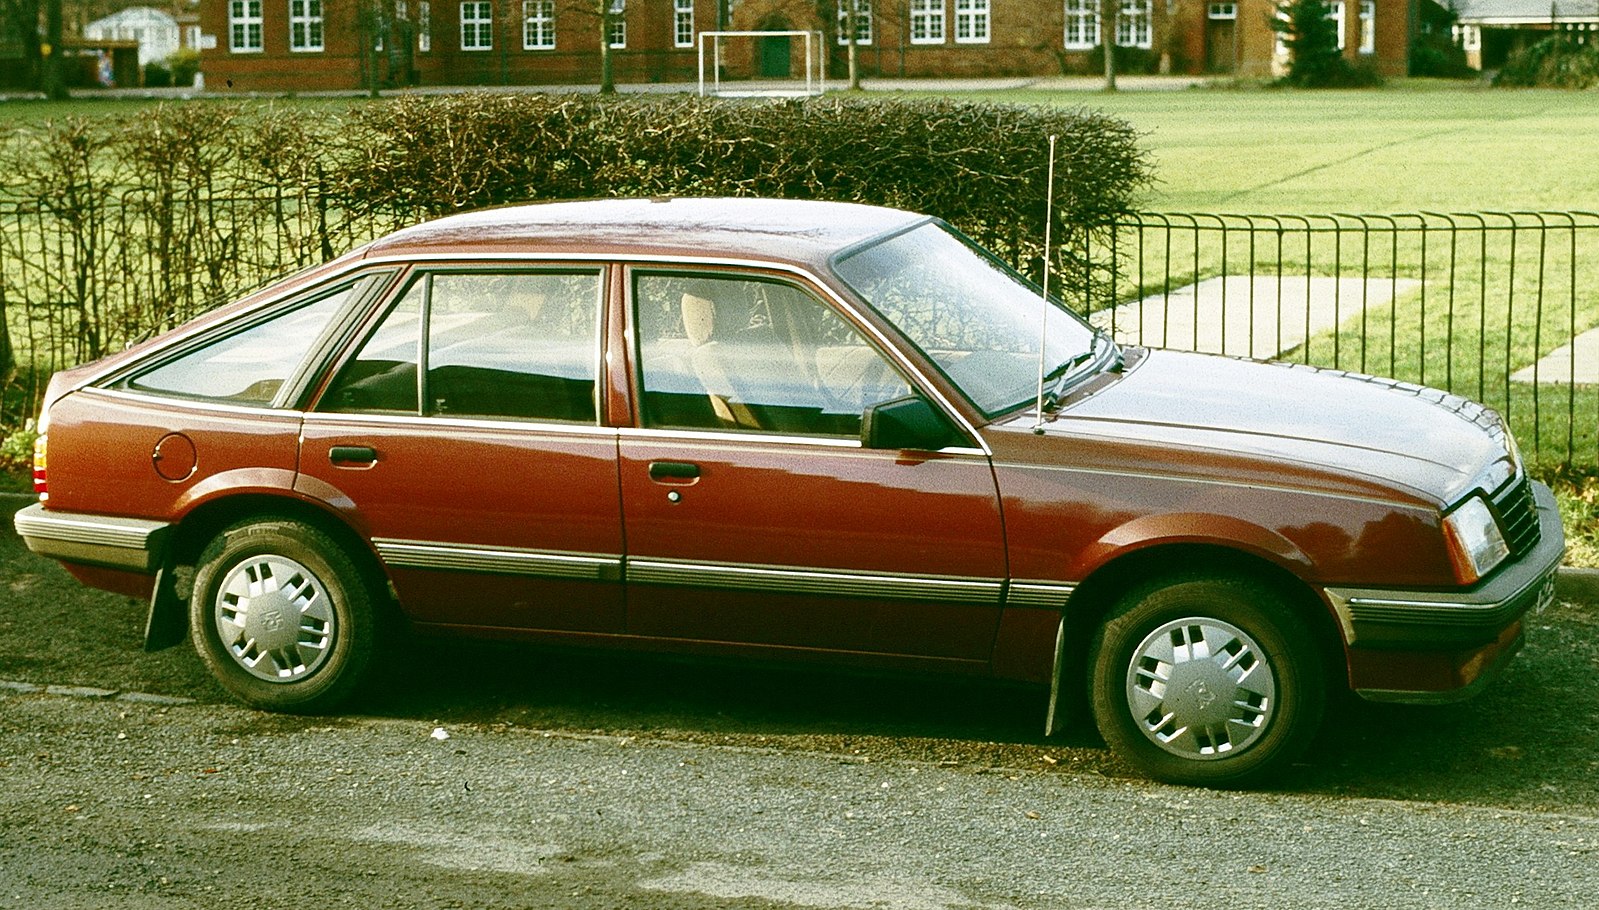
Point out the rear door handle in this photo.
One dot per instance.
(353, 456)
(669, 471)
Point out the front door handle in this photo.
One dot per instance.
(353, 456)
(674, 471)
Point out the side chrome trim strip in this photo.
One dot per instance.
(412, 554)
(1030, 593)
(832, 582)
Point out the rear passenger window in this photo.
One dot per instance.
(518, 345)
(248, 367)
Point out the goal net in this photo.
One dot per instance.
(761, 64)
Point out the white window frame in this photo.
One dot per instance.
(424, 26)
(1335, 12)
(683, 23)
(1222, 11)
(306, 26)
(538, 25)
(863, 22)
(618, 37)
(1082, 25)
(972, 21)
(1368, 26)
(1469, 37)
(477, 21)
(1135, 25)
(245, 26)
(927, 21)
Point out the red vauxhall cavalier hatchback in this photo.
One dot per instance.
(788, 429)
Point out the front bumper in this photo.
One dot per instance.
(129, 544)
(1442, 645)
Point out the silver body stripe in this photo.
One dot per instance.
(731, 576)
(544, 563)
(1053, 594)
(834, 582)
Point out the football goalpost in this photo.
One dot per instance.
(813, 83)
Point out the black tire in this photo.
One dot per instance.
(257, 575)
(1206, 681)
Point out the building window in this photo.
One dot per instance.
(1082, 24)
(863, 21)
(1335, 12)
(927, 21)
(1469, 37)
(1134, 28)
(1223, 11)
(424, 26)
(305, 25)
(477, 25)
(683, 23)
(244, 26)
(971, 21)
(538, 25)
(1368, 26)
(618, 35)
(191, 37)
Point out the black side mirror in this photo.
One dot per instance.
(906, 423)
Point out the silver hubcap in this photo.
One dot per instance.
(275, 618)
(1200, 688)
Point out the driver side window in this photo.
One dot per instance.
(746, 354)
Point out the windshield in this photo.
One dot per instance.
(969, 313)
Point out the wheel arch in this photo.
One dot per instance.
(1093, 600)
(208, 519)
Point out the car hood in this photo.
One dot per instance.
(1435, 444)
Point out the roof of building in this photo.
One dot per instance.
(1517, 12)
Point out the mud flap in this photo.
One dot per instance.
(1055, 720)
(168, 621)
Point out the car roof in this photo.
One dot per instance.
(804, 232)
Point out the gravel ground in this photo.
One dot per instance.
(573, 779)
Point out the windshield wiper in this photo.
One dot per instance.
(1057, 379)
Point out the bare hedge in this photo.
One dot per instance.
(118, 227)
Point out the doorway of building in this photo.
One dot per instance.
(1221, 37)
(776, 56)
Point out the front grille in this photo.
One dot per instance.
(1518, 516)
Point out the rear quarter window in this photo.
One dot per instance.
(249, 366)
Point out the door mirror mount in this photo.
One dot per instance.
(906, 423)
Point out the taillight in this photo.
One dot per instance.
(41, 482)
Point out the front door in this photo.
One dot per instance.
(462, 435)
(754, 516)
(777, 56)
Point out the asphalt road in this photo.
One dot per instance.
(605, 781)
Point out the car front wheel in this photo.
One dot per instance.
(282, 616)
(1206, 681)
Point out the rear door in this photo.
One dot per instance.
(753, 514)
(461, 436)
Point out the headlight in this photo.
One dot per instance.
(1475, 540)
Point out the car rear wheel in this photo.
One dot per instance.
(282, 616)
(1206, 681)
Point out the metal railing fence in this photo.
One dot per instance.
(1491, 305)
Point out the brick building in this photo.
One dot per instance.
(276, 45)
(299, 45)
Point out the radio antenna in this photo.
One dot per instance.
(1043, 324)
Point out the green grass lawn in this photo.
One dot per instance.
(1419, 145)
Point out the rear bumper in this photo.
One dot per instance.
(129, 544)
(1444, 645)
